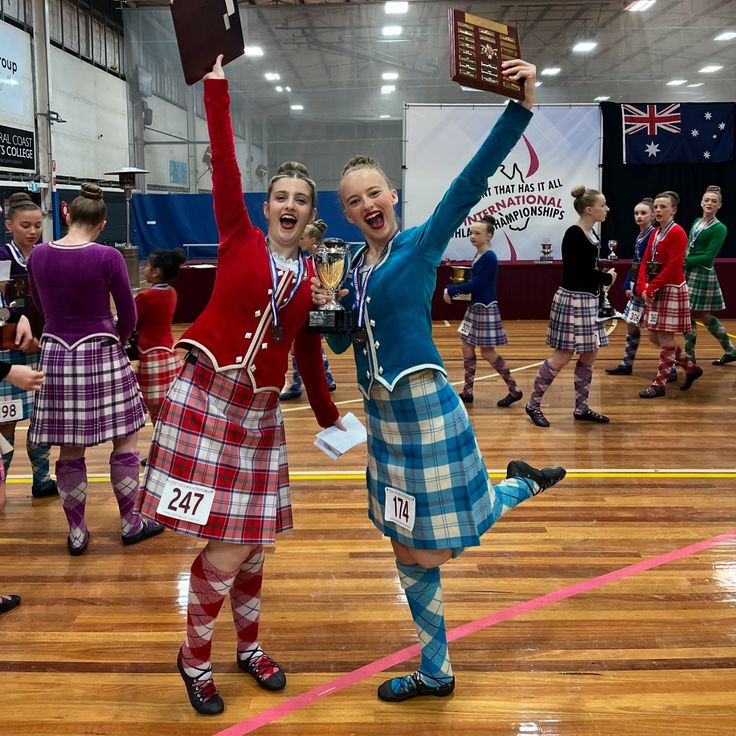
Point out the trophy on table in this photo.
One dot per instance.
(546, 252)
(612, 245)
(332, 263)
(460, 274)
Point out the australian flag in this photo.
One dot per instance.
(680, 132)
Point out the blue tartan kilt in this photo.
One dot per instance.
(634, 303)
(8, 392)
(485, 327)
(421, 443)
(572, 322)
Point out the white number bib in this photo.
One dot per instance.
(465, 327)
(401, 509)
(652, 318)
(634, 315)
(186, 502)
(10, 411)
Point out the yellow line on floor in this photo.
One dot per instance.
(494, 473)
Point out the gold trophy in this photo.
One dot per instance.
(460, 274)
(332, 262)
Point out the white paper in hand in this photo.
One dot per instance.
(334, 442)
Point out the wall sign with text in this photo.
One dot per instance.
(17, 149)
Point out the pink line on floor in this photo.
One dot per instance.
(373, 668)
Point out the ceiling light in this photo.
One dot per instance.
(538, 83)
(583, 46)
(387, 89)
(385, 117)
(676, 82)
(391, 30)
(697, 84)
(279, 88)
(602, 98)
(394, 8)
(288, 89)
(389, 76)
(272, 76)
(551, 71)
(638, 5)
(711, 68)
(253, 51)
(725, 36)
(297, 107)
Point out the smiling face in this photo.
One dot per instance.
(289, 209)
(710, 203)
(25, 227)
(599, 210)
(369, 203)
(479, 235)
(664, 210)
(643, 216)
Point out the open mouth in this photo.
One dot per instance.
(288, 222)
(375, 221)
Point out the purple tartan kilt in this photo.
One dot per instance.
(486, 328)
(90, 395)
(572, 322)
(214, 431)
(672, 309)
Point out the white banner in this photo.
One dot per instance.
(16, 78)
(529, 196)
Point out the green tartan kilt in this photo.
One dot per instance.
(705, 291)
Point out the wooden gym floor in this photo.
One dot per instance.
(606, 606)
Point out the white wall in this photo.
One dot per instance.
(94, 104)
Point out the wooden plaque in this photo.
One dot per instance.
(204, 29)
(477, 48)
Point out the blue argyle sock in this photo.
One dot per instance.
(8, 456)
(632, 345)
(509, 493)
(423, 589)
(39, 457)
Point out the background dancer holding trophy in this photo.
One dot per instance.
(573, 325)
(644, 218)
(706, 239)
(482, 324)
(428, 488)
(217, 468)
(311, 238)
(661, 283)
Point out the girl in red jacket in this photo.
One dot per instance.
(217, 467)
(661, 284)
(158, 361)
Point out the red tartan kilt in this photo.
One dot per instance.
(672, 307)
(157, 370)
(214, 431)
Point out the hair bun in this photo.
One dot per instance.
(19, 199)
(713, 188)
(178, 256)
(321, 225)
(91, 191)
(578, 190)
(292, 166)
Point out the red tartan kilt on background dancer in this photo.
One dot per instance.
(157, 370)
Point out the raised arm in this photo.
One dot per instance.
(467, 189)
(231, 214)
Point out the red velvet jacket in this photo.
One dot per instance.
(671, 254)
(234, 329)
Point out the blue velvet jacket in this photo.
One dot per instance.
(397, 313)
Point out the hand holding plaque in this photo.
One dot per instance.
(478, 49)
(332, 263)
